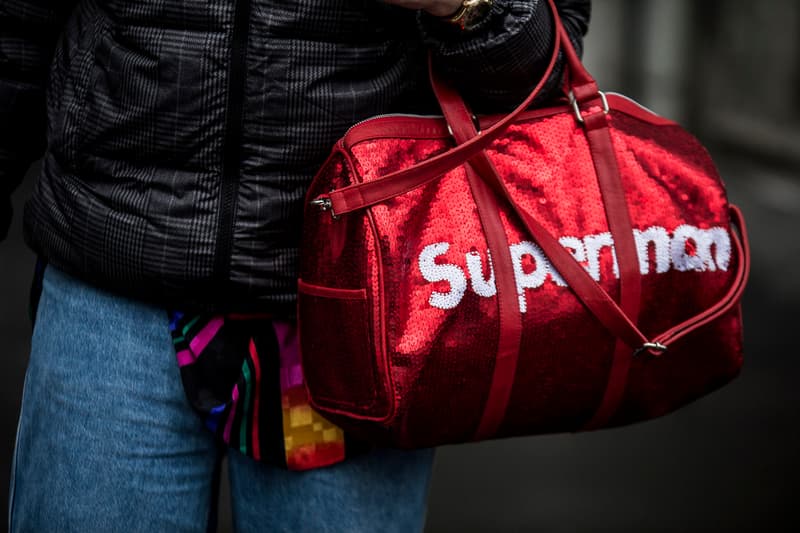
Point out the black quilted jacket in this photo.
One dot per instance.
(182, 134)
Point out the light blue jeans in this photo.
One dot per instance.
(107, 441)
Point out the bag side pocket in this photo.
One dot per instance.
(337, 348)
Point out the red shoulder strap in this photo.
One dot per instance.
(361, 195)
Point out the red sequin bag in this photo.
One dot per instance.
(566, 268)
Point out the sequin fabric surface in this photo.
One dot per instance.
(407, 286)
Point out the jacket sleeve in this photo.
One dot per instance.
(28, 33)
(496, 64)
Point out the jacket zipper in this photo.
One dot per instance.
(232, 149)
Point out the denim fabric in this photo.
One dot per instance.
(108, 442)
(384, 491)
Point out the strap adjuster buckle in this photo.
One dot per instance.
(576, 108)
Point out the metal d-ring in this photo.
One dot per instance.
(651, 347)
(577, 109)
(475, 121)
(324, 204)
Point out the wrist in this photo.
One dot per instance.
(445, 10)
(469, 14)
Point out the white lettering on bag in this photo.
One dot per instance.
(659, 238)
(689, 248)
(575, 247)
(528, 280)
(701, 241)
(433, 272)
(594, 245)
(481, 286)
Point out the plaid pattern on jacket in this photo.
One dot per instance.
(181, 135)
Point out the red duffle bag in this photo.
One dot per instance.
(550, 270)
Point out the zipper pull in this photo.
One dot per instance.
(323, 203)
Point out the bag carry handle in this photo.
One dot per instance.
(362, 195)
(620, 319)
(590, 292)
(630, 341)
(463, 129)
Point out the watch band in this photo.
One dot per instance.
(469, 14)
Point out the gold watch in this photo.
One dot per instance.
(469, 14)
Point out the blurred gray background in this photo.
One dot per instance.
(729, 71)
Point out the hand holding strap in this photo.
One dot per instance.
(361, 195)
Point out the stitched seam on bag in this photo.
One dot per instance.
(380, 330)
(322, 291)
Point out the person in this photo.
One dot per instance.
(177, 140)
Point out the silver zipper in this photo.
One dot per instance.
(387, 115)
(634, 102)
